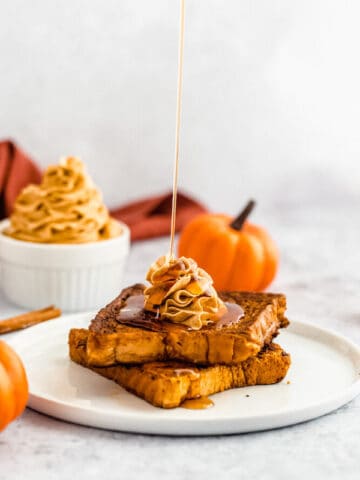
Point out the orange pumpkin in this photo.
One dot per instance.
(237, 254)
(14, 390)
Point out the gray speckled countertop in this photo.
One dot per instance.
(320, 275)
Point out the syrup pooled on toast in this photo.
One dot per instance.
(234, 313)
(134, 314)
(132, 309)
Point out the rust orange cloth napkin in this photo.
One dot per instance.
(147, 218)
(150, 217)
(16, 171)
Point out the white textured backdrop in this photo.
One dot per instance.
(271, 95)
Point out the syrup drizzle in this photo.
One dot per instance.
(194, 375)
(234, 313)
(133, 314)
(134, 305)
(177, 127)
(197, 403)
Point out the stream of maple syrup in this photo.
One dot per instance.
(234, 312)
(177, 126)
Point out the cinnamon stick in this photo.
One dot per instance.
(29, 319)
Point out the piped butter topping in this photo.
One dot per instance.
(182, 292)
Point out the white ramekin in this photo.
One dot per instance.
(72, 277)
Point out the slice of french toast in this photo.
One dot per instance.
(147, 339)
(168, 384)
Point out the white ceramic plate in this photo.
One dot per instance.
(324, 375)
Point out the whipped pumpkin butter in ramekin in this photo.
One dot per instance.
(60, 245)
(65, 208)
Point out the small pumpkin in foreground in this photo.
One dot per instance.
(237, 254)
(14, 390)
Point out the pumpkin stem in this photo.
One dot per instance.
(239, 221)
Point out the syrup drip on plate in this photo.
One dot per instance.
(197, 403)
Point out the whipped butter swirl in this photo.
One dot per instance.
(181, 292)
(65, 208)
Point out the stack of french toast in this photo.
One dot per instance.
(145, 340)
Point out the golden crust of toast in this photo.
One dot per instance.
(111, 342)
(167, 385)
